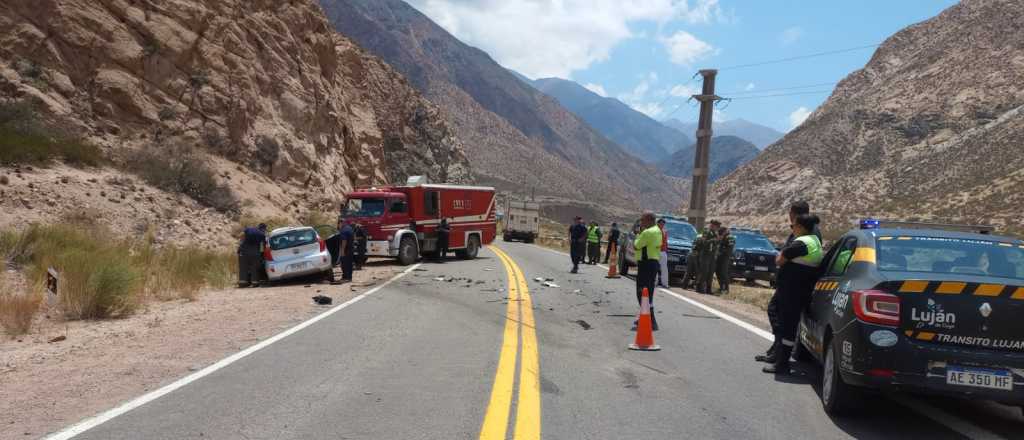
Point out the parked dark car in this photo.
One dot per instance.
(680, 243)
(754, 256)
(920, 308)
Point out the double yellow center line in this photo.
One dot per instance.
(519, 325)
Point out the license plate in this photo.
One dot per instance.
(979, 377)
(297, 266)
(761, 268)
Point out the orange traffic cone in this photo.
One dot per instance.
(644, 333)
(613, 265)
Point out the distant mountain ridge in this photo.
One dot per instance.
(516, 137)
(639, 134)
(727, 154)
(759, 135)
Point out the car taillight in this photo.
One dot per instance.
(323, 246)
(877, 307)
(266, 254)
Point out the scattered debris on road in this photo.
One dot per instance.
(322, 300)
(550, 284)
(57, 339)
(584, 324)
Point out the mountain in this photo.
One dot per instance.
(757, 134)
(727, 154)
(640, 135)
(516, 137)
(930, 128)
(287, 111)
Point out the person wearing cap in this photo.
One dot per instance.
(250, 256)
(593, 243)
(663, 277)
(577, 243)
(706, 263)
(723, 261)
(613, 237)
(648, 251)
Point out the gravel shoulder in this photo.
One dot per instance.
(99, 364)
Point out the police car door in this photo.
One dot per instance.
(830, 295)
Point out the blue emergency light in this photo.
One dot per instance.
(869, 224)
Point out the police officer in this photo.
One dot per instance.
(795, 209)
(693, 262)
(347, 249)
(706, 264)
(648, 250)
(723, 264)
(577, 243)
(593, 243)
(797, 275)
(360, 237)
(250, 256)
(443, 232)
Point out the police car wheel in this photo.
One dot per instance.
(837, 397)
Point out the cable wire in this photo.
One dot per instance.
(780, 94)
(801, 57)
(747, 92)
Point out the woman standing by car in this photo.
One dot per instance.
(798, 272)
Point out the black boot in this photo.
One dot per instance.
(768, 356)
(781, 364)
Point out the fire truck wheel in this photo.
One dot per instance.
(407, 251)
(472, 248)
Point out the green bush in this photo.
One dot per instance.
(25, 140)
(182, 170)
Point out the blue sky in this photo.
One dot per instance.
(641, 50)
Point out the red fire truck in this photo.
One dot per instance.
(402, 221)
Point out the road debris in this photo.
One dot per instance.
(439, 279)
(584, 324)
(57, 339)
(322, 300)
(550, 284)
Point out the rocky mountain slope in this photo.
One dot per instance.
(516, 137)
(930, 128)
(727, 154)
(289, 112)
(759, 135)
(637, 133)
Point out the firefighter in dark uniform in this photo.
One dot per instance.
(648, 252)
(613, 239)
(443, 233)
(795, 209)
(361, 238)
(797, 275)
(706, 264)
(577, 243)
(347, 249)
(250, 256)
(723, 264)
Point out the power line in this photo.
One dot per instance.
(801, 57)
(747, 92)
(780, 94)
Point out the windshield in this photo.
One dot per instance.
(363, 208)
(950, 256)
(680, 231)
(753, 241)
(292, 239)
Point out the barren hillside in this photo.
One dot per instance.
(930, 128)
(288, 112)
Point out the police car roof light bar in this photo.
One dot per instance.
(876, 224)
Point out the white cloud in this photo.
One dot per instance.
(639, 97)
(683, 48)
(790, 35)
(683, 90)
(596, 88)
(557, 37)
(798, 117)
(749, 87)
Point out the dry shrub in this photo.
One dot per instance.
(17, 309)
(182, 272)
(26, 140)
(184, 171)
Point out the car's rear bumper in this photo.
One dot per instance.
(519, 235)
(316, 263)
(922, 368)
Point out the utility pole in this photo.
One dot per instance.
(699, 192)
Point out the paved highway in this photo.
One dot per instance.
(494, 354)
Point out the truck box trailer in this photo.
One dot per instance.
(402, 221)
(521, 221)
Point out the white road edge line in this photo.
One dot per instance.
(103, 417)
(957, 424)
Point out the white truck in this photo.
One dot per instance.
(521, 221)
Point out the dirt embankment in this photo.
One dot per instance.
(91, 366)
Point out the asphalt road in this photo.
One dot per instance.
(423, 358)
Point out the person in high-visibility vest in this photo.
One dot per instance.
(648, 251)
(593, 243)
(797, 275)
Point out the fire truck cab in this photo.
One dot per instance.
(402, 221)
